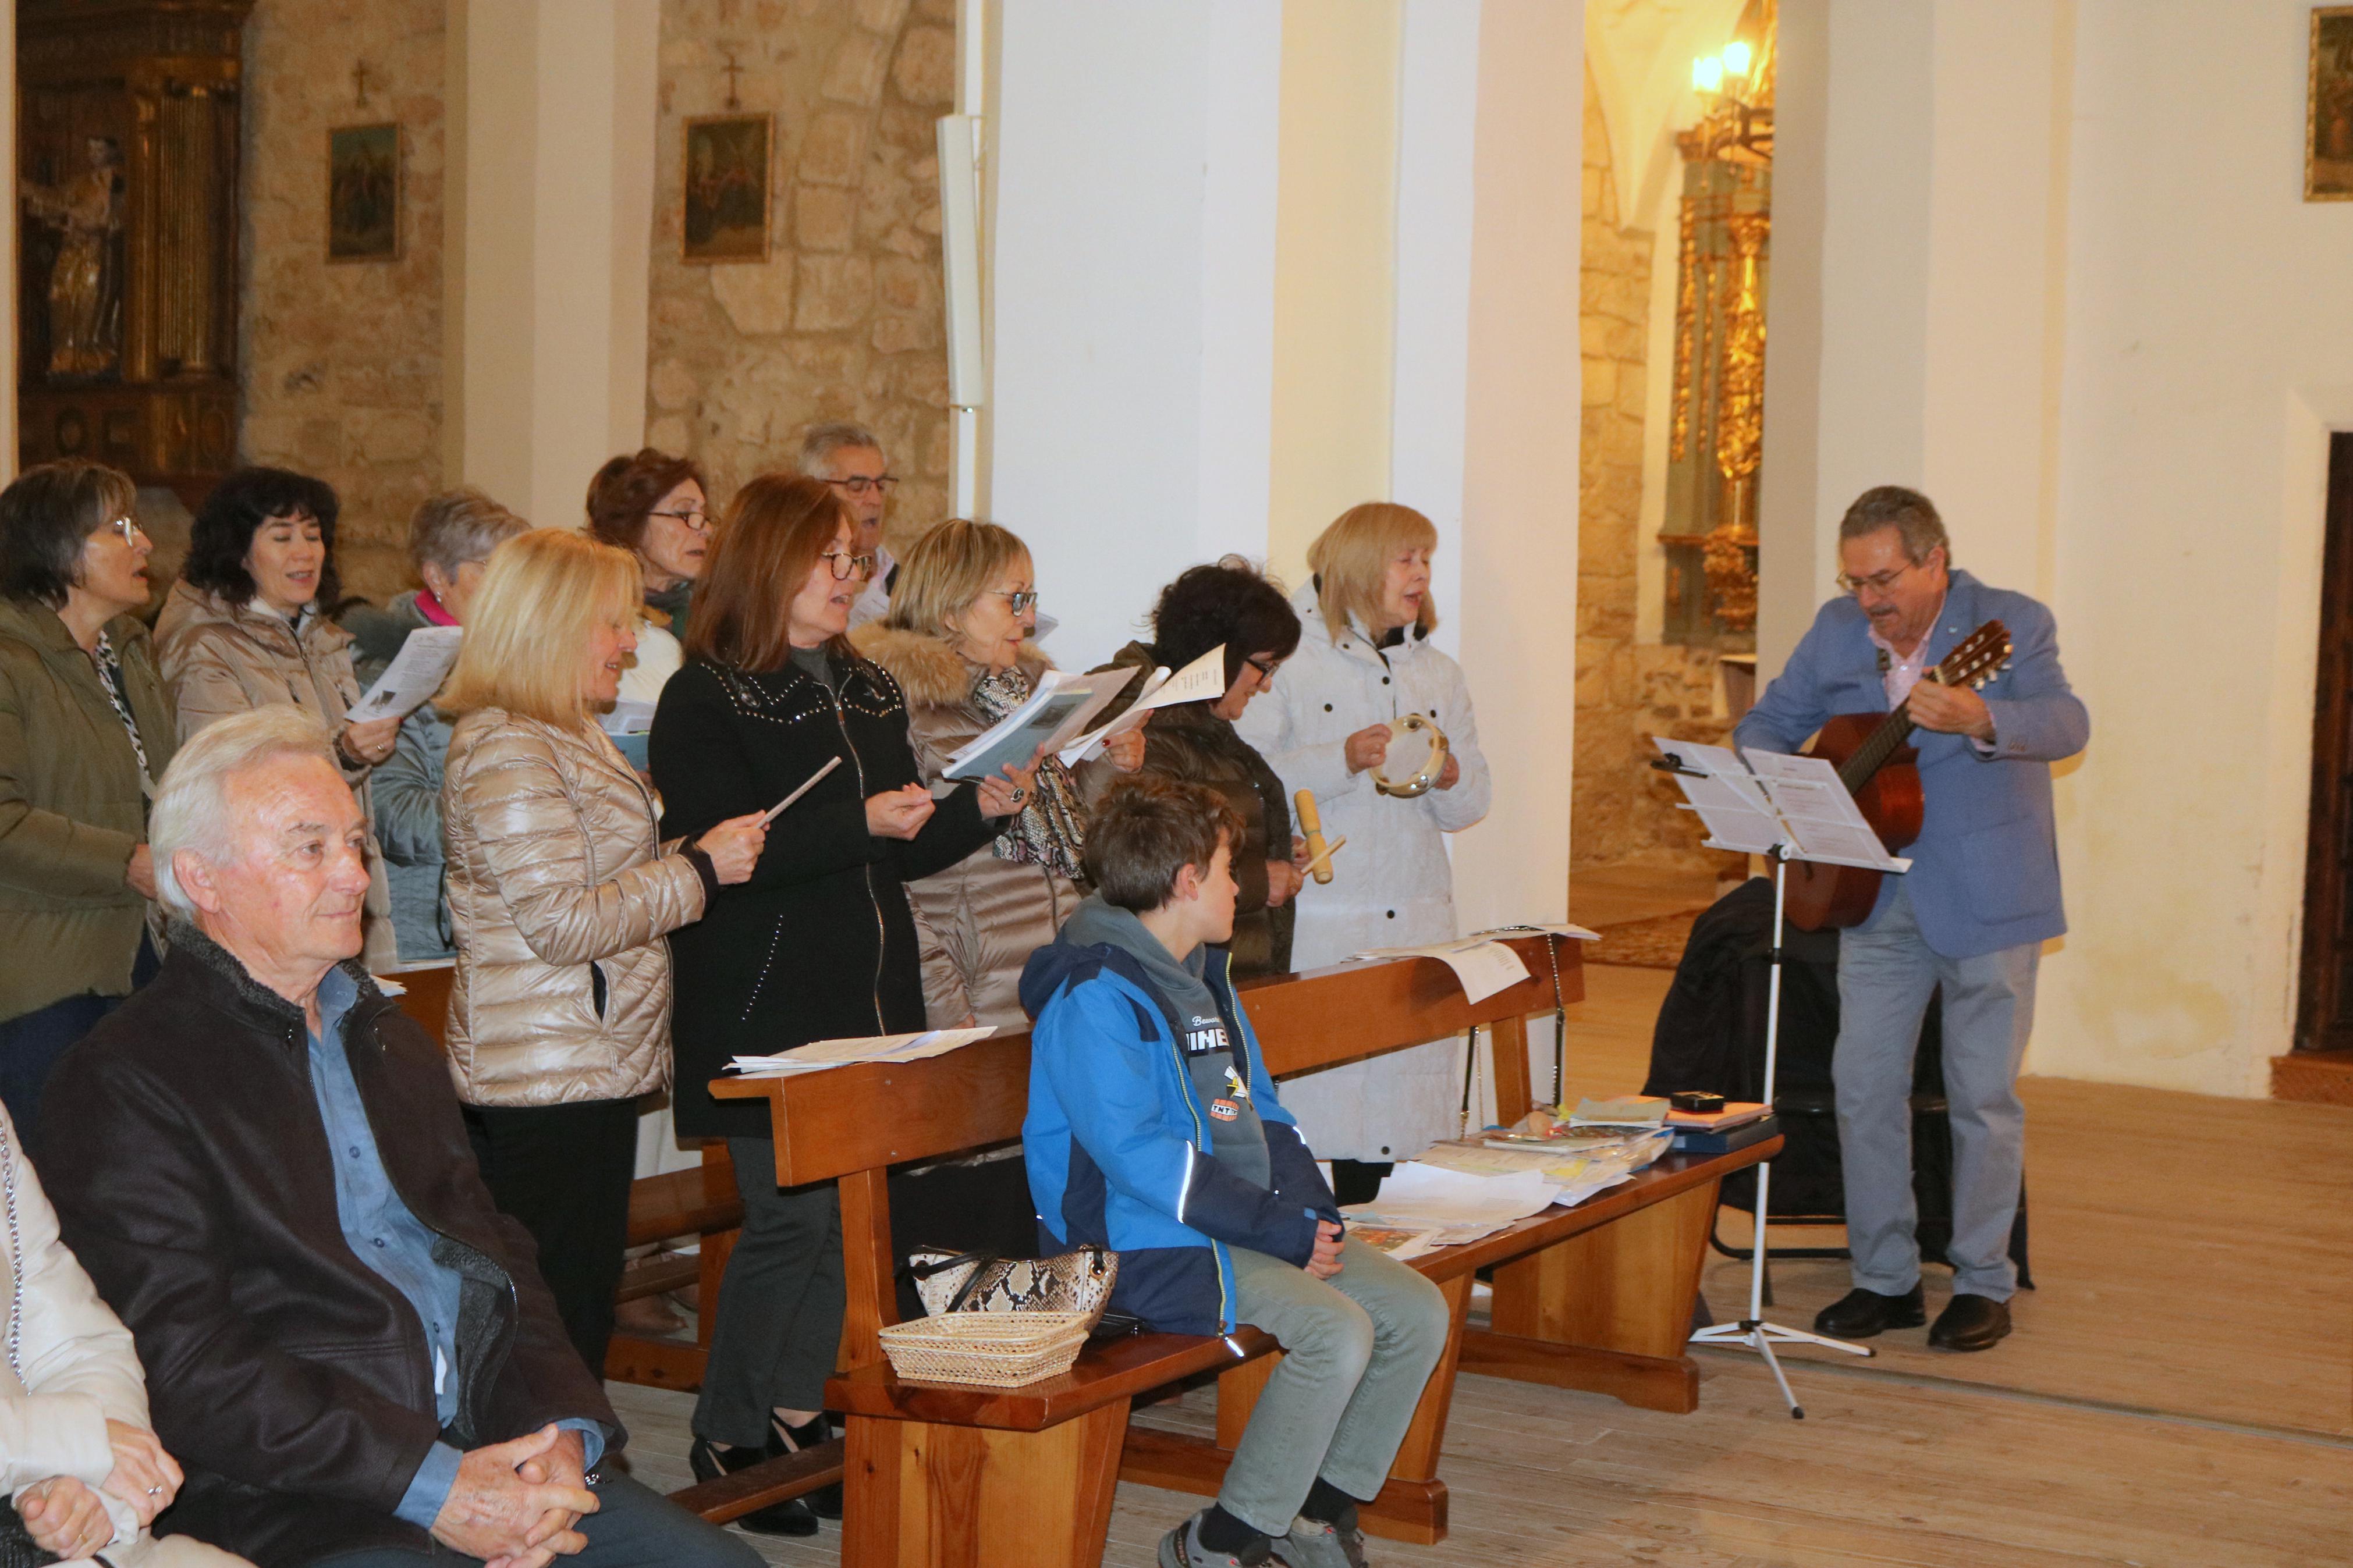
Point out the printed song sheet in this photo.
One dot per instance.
(1823, 821)
(1727, 796)
(1483, 967)
(820, 1055)
(1202, 681)
(416, 673)
(1062, 705)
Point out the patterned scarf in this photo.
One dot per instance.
(1049, 830)
(110, 678)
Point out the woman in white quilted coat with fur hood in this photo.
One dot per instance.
(1363, 659)
(77, 1458)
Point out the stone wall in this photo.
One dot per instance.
(342, 364)
(1625, 691)
(844, 321)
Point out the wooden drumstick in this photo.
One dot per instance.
(1320, 868)
(1311, 826)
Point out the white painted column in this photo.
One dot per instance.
(1130, 280)
(550, 226)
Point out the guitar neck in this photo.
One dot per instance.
(1878, 746)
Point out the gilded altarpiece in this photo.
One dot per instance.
(127, 134)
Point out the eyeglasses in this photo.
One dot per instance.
(127, 527)
(697, 520)
(858, 484)
(846, 566)
(1878, 581)
(1020, 601)
(1264, 666)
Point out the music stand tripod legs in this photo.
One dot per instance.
(1754, 1330)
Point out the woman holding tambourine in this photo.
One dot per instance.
(1378, 722)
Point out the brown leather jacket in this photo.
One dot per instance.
(982, 918)
(561, 894)
(183, 1146)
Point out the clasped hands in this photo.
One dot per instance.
(516, 1504)
(66, 1516)
(1329, 1238)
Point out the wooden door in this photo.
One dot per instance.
(2325, 996)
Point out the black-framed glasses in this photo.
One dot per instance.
(697, 520)
(846, 566)
(1020, 599)
(858, 484)
(1878, 581)
(1265, 664)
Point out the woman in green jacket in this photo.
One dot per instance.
(85, 728)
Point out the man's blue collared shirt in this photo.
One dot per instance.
(390, 1239)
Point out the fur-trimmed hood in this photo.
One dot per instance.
(931, 673)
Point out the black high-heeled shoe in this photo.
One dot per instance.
(791, 1517)
(826, 1501)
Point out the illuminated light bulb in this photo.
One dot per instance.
(1737, 59)
(1707, 74)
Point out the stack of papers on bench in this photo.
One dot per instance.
(820, 1055)
(1578, 1171)
(1423, 1206)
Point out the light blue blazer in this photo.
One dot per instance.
(1985, 869)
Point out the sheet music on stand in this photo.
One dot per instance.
(1818, 818)
(1728, 798)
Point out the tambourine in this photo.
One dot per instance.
(1417, 755)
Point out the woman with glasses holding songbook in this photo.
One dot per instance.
(957, 641)
(819, 943)
(85, 726)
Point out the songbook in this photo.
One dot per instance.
(1203, 681)
(416, 673)
(1062, 706)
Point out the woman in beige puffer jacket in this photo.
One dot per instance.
(78, 1456)
(561, 894)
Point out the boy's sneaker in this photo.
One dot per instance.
(1182, 1548)
(1313, 1543)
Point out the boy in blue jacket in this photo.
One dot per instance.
(1154, 1130)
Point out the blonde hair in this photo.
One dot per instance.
(1351, 560)
(948, 569)
(528, 627)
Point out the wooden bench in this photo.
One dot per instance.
(701, 1202)
(1596, 1297)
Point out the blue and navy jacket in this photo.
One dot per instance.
(1119, 1145)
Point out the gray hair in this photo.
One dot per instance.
(1911, 514)
(457, 526)
(822, 441)
(191, 809)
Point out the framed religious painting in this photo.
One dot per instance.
(364, 193)
(2328, 108)
(725, 188)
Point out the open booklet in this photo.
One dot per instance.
(1062, 706)
(416, 673)
(820, 1055)
(1203, 681)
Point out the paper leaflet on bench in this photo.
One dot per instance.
(820, 1055)
(1483, 967)
(1464, 1192)
(1769, 801)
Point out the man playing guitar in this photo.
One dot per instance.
(1970, 916)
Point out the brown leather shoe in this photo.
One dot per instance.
(1971, 1323)
(1860, 1313)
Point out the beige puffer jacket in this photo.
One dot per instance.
(221, 659)
(74, 1370)
(561, 895)
(983, 917)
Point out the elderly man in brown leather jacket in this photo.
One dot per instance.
(259, 1160)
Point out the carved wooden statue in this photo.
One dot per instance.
(85, 297)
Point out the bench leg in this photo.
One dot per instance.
(1608, 1311)
(1412, 1504)
(923, 1496)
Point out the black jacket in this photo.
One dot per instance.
(182, 1143)
(820, 943)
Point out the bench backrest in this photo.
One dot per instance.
(850, 1124)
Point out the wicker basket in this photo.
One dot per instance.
(991, 1350)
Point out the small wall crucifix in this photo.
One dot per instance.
(732, 71)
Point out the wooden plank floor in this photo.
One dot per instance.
(2179, 1390)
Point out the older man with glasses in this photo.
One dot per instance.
(849, 458)
(1970, 918)
(258, 1159)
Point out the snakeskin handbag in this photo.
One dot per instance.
(1077, 1281)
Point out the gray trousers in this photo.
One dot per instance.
(1357, 1349)
(1886, 975)
(778, 1329)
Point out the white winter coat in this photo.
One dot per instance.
(1393, 885)
(75, 1370)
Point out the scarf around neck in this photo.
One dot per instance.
(1049, 830)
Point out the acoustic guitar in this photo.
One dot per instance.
(1882, 772)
